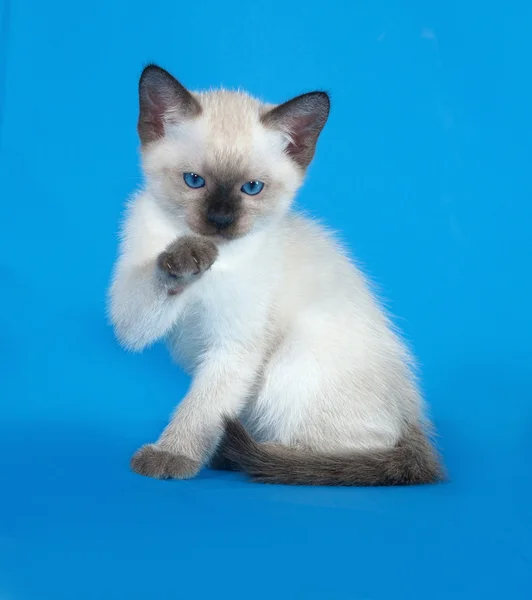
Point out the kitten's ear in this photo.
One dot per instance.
(162, 99)
(301, 120)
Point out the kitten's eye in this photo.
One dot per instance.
(252, 188)
(193, 180)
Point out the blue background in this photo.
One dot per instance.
(425, 168)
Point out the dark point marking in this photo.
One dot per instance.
(187, 257)
(303, 119)
(152, 461)
(412, 461)
(162, 97)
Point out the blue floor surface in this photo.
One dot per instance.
(424, 166)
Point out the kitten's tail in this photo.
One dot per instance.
(412, 461)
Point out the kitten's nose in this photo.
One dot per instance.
(220, 216)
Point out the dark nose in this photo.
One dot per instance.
(221, 216)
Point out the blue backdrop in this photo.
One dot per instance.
(425, 168)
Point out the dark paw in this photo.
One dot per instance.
(220, 463)
(186, 258)
(152, 461)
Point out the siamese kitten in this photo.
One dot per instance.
(298, 376)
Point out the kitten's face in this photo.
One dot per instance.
(222, 162)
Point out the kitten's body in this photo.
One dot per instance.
(280, 331)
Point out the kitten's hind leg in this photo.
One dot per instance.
(219, 462)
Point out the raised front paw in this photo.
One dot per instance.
(186, 259)
(152, 461)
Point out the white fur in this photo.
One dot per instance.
(282, 330)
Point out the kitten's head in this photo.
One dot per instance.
(222, 162)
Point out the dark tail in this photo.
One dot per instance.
(412, 461)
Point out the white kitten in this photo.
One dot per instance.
(279, 329)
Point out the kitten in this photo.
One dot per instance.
(299, 377)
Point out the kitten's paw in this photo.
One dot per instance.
(185, 259)
(152, 461)
(220, 463)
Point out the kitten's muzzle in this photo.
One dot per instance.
(221, 216)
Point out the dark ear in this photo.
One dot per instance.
(302, 119)
(162, 99)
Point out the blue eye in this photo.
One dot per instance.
(193, 180)
(252, 188)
